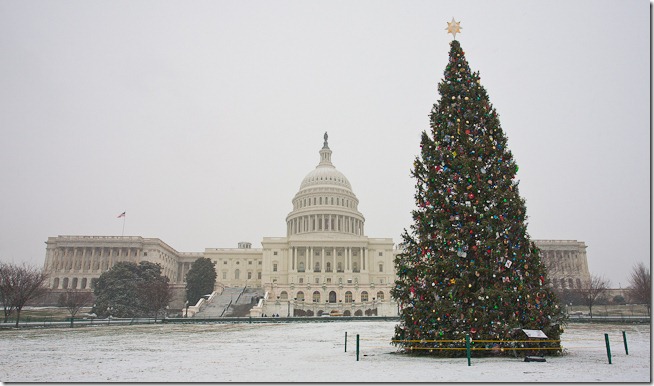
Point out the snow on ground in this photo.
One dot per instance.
(297, 352)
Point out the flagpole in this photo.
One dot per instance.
(123, 233)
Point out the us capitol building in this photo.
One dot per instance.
(325, 262)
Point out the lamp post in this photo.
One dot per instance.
(186, 305)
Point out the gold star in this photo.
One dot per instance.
(453, 27)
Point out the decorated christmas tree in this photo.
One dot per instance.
(469, 266)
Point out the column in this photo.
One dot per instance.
(348, 257)
(322, 259)
(309, 267)
(333, 259)
(363, 259)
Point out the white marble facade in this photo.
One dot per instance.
(325, 263)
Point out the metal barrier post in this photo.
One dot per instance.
(608, 347)
(357, 347)
(624, 338)
(345, 341)
(468, 348)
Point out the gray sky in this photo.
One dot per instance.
(200, 119)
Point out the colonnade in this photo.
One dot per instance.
(325, 222)
(329, 259)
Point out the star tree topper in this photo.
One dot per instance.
(453, 27)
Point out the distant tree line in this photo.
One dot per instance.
(596, 291)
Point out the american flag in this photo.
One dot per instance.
(122, 215)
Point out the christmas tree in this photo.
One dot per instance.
(469, 266)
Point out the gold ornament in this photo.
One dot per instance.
(453, 27)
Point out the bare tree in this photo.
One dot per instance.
(640, 286)
(19, 285)
(156, 295)
(594, 290)
(6, 295)
(73, 301)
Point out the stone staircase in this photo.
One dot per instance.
(233, 302)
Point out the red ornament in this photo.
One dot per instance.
(473, 330)
(471, 196)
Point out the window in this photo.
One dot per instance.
(74, 285)
(55, 285)
(355, 267)
(328, 267)
(329, 280)
(84, 283)
(301, 280)
(237, 274)
(381, 253)
(317, 281)
(316, 268)
(274, 267)
(316, 296)
(250, 262)
(380, 296)
(348, 297)
(283, 295)
(260, 263)
(381, 267)
(259, 275)
(275, 253)
(300, 266)
(65, 283)
(300, 296)
(225, 262)
(249, 275)
(224, 275)
(364, 296)
(339, 267)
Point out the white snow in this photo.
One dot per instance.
(297, 352)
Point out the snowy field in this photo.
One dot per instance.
(297, 352)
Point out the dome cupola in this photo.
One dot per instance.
(325, 201)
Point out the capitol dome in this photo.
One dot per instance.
(325, 202)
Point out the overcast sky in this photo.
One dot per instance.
(201, 118)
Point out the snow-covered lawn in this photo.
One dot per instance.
(297, 352)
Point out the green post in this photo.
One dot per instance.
(624, 338)
(357, 347)
(345, 341)
(608, 347)
(468, 348)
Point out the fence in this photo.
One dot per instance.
(499, 346)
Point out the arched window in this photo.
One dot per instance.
(65, 283)
(237, 273)
(563, 283)
(300, 266)
(355, 267)
(55, 285)
(83, 283)
(74, 283)
(571, 283)
(328, 267)
(332, 297)
(380, 296)
(578, 283)
(364, 296)
(283, 295)
(316, 297)
(316, 268)
(339, 266)
(381, 267)
(348, 297)
(300, 296)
